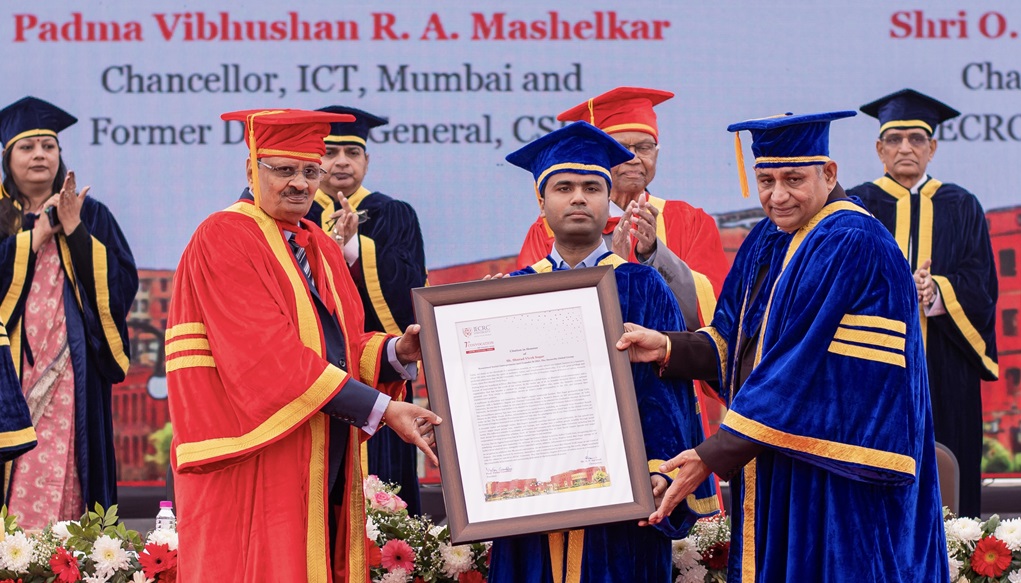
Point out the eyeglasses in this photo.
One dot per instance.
(915, 140)
(642, 149)
(363, 216)
(310, 173)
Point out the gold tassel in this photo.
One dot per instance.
(742, 176)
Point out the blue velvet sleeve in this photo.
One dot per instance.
(398, 264)
(16, 432)
(840, 380)
(105, 269)
(668, 407)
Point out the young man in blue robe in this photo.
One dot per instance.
(941, 230)
(817, 348)
(571, 167)
(382, 244)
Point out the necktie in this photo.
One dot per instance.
(299, 254)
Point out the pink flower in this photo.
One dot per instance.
(398, 554)
(387, 501)
(399, 504)
(382, 501)
(371, 485)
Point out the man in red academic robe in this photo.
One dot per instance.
(679, 240)
(270, 378)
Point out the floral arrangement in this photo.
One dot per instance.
(983, 552)
(410, 549)
(95, 549)
(702, 556)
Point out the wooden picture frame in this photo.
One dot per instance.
(582, 302)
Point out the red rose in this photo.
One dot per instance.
(715, 557)
(991, 557)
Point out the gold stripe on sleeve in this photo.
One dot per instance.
(183, 344)
(16, 438)
(185, 329)
(823, 448)
(306, 404)
(864, 353)
(866, 321)
(113, 336)
(877, 339)
(182, 362)
(971, 334)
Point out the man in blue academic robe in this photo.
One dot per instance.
(815, 345)
(571, 167)
(382, 244)
(941, 230)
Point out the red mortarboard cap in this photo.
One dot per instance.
(290, 133)
(624, 109)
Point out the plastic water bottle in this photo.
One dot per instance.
(166, 520)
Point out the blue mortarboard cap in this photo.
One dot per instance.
(355, 132)
(580, 148)
(908, 108)
(30, 117)
(786, 140)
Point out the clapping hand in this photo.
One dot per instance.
(69, 204)
(346, 222)
(924, 284)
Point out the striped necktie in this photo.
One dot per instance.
(299, 254)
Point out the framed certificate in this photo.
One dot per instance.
(541, 429)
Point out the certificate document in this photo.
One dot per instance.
(532, 405)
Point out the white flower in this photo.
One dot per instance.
(436, 531)
(60, 530)
(965, 530)
(371, 530)
(139, 577)
(684, 554)
(163, 536)
(456, 560)
(16, 552)
(695, 574)
(97, 578)
(1014, 577)
(1009, 531)
(109, 556)
(955, 567)
(395, 576)
(371, 485)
